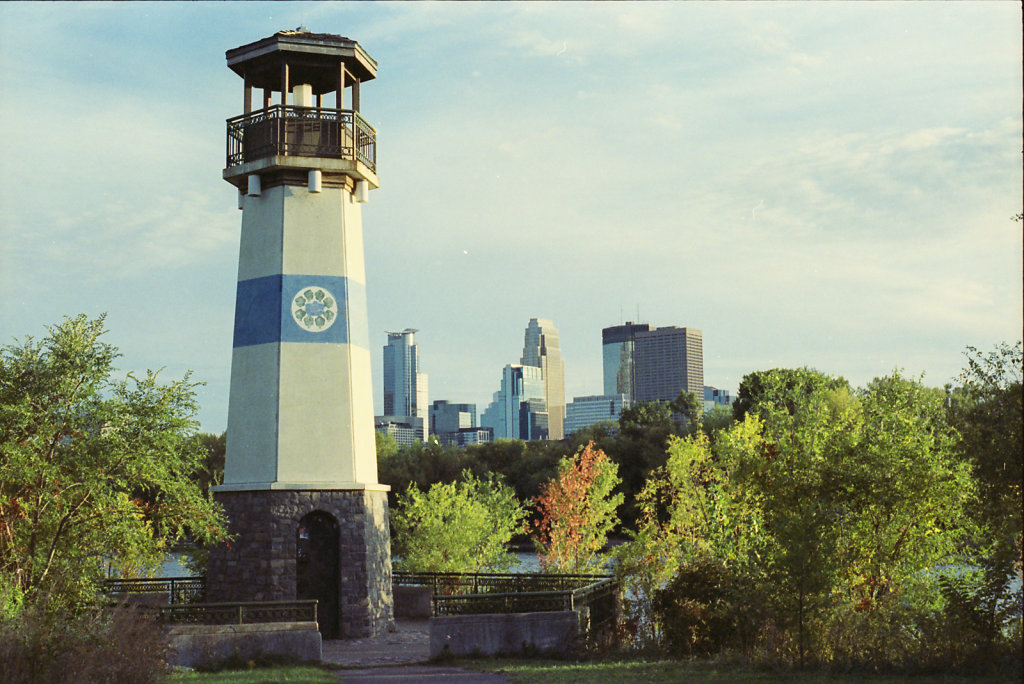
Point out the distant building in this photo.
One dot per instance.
(585, 411)
(466, 436)
(405, 434)
(520, 386)
(446, 419)
(716, 397)
(618, 344)
(540, 349)
(645, 363)
(668, 361)
(405, 387)
(533, 420)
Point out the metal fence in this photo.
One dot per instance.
(593, 597)
(448, 583)
(179, 590)
(290, 130)
(239, 613)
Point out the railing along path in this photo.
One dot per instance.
(178, 589)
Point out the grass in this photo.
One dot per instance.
(632, 671)
(635, 671)
(299, 674)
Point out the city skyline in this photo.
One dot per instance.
(828, 185)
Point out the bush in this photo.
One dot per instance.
(702, 612)
(114, 644)
(456, 527)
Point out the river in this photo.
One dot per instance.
(172, 567)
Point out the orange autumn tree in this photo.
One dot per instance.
(577, 511)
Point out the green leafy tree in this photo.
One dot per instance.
(823, 513)
(691, 514)
(386, 445)
(96, 474)
(644, 431)
(457, 526)
(215, 448)
(718, 418)
(577, 511)
(985, 406)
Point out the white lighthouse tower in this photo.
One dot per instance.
(300, 480)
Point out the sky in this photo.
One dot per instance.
(810, 184)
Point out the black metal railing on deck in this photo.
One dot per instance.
(288, 130)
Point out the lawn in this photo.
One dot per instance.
(619, 672)
(299, 674)
(671, 672)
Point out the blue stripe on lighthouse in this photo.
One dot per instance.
(258, 311)
(263, 311)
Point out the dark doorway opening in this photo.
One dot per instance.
(316, 568)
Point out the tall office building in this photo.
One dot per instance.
(519, 410)
(405, 387)
(668, 361)
(618, 344)
(645, 363)
(540, 349)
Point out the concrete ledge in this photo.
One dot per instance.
(194, 645)
(503, 634)
(411, 601)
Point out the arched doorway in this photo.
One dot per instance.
(316, 568)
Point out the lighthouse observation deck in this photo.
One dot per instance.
(289, 130)
(297, 131)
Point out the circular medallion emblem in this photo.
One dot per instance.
(314, 309)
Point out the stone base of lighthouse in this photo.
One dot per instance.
(328, 544)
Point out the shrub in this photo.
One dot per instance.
(703, 612)
(113, 644)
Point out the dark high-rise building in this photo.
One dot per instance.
(645, 363)
(668, 361)
(618, 344)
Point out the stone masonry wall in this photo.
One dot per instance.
(259, 565)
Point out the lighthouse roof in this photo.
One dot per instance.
(312, 58)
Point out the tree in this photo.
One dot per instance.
(577, 511)
(644, 430)
(96, 474)
(985, 406)
(824, 511)
(457, 526)
(782, 388)
(214, 448)
(691, 515)
(718, 418)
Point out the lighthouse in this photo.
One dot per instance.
(300, 490)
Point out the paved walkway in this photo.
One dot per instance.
(399, 657)
(409, 643)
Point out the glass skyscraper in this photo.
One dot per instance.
(541, 350)
(405, 387)
(518, 410)
(645, 363)
(618, 347)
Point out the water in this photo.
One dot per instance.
(174, 566)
